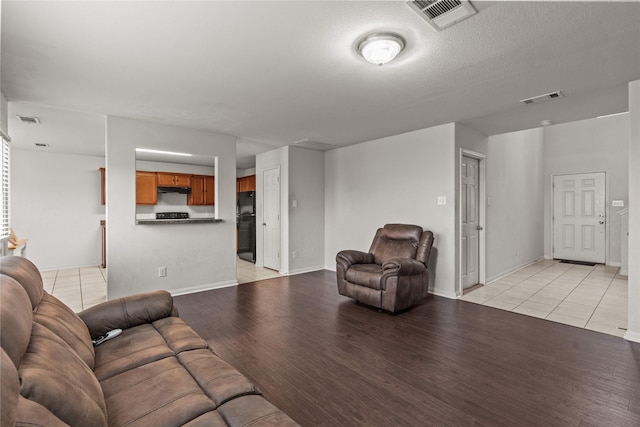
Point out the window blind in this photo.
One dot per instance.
(5, 224)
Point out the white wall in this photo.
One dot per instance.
(306, 221)
(278, 158)
(394, 180)
(197, 256)
(55, 203)
(593, 145)
(633, 328)
(515, 190)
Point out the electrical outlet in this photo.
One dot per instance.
(295, 254)
(442, 200)
(162, 272)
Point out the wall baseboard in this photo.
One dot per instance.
(514, 269)
(306, 270)
(632, 336)
(444, 295)
(202, 288)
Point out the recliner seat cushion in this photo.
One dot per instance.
(368, 275)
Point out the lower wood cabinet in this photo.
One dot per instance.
(146, 188)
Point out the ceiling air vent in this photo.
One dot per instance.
(29, 120)
(315, 145)
(542, 98)
(41, 144)
(441, 14)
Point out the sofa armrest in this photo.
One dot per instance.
(349, 257)
(128, 312)
(402, 267)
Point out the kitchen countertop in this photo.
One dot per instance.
(178, 221)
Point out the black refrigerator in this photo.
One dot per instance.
(246, 223)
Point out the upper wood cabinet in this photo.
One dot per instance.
(202, 190)
(170, 179)
(246, 183)
(146, 188)
(103, 194)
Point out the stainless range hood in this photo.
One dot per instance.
(180, 190)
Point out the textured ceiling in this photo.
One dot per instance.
(272, 73)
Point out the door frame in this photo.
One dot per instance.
(279, 205)
(482, 215)
(607, 224)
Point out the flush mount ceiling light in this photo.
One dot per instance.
(380, 48)
(171, 153)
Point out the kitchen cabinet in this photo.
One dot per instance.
(103, 195)
(146, 188)
(170, 179)
(202, 190)
(246, 183)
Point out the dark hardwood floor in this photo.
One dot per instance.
(328, 361)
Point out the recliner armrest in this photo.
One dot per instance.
(128, 312)
(403, 267)
(349, 257)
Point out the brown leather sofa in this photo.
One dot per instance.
(158, 372)
(393, 275)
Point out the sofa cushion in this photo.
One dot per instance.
(178, 335)
(157, 393)
(368, 275)
(66, 324)
(54, 376)
(15, 319)
(25, 273)
(254, 411)
(133, 348)
(220, 381)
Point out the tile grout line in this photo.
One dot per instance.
(548, 284)
(602, 297)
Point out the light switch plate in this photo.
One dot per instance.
(618, 203)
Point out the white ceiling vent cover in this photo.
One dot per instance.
(441, 14)
(542, 98)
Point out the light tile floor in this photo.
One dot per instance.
(79, 288)
(593, 298)
(84, 287)
(249, 272)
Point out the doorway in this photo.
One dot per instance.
(579, 217)
(471, 223)
(271, 218)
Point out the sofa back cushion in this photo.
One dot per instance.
(15, 319)
(54, 376)
(61, 320)
(395, 241)
(48, 310)
(26, 273)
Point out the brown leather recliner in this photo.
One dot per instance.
(393, 275)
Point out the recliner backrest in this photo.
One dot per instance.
(395, 241)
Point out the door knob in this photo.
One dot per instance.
(479, 228)
(600, 222)
(264, 224)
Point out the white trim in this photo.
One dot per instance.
(449, 296)
(306, 270)
(482, 214)
(632, 336)
(205, 287)
(514, 269)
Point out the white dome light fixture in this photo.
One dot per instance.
(380, 48)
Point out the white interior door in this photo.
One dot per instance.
(579, 220)
(470, 221)
(271, 218)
